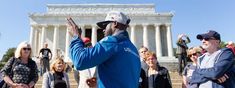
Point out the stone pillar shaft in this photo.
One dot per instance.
(145, 36)
(94, 35)
(43, 37)
(36, 42)
(32, 38)
(169, 41)
(55, 39)
(158, 41)
(133, 36)
(67, 46)
(83, 31)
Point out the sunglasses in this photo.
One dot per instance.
(207, 39)
(194, 54)
(26, 49)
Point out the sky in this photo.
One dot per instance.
(191, 17)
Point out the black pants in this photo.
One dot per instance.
(45, 65)
(182, 59)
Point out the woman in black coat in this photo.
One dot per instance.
(156, 75)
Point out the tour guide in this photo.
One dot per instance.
(115, 56)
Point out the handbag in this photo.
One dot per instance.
(3, 84)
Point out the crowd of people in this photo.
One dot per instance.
(114, 62)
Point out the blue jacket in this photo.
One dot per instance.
(116, 58)
(223, 65)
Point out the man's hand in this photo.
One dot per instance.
(180, 36)
(184, 35)
(74, 30)
(223, 78)
(91, 82)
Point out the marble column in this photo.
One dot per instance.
(158, 40)
(133, 36)
(83, 30)
(169, 40)
(55, 39)
(36, 42)
(32, 38)
(67, 46)
(39, 40)
(43, 36)
(145, 36)
(94, 35)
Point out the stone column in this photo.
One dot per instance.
(133, 36)
(83, 30)
(94, 35)
(145, 36)
(39, 40)
(32, 38)
(158, 40)
(169, 40)
(67, 46)
(55, 39)
(36, 42)
(43, 36)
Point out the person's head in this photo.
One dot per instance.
(142, 51)
(230, 43)
(87, 42)
(114, 22)
(23, 50)
(58, 65)
(210, 40)
(151, 59)
(45, 45)
(194, 53)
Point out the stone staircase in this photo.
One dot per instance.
(175, 79)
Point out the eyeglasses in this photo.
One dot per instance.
(26, 49)
(194, 54)
(207, 39)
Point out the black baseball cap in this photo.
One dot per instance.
(208, 35)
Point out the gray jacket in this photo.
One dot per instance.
(48, 80)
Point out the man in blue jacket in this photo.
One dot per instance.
(116, 58)
(214, 65)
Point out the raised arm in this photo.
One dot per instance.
(84, 58)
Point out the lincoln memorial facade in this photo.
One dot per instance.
(147, 27)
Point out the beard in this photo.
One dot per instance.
(205, 47)
(108, 30)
